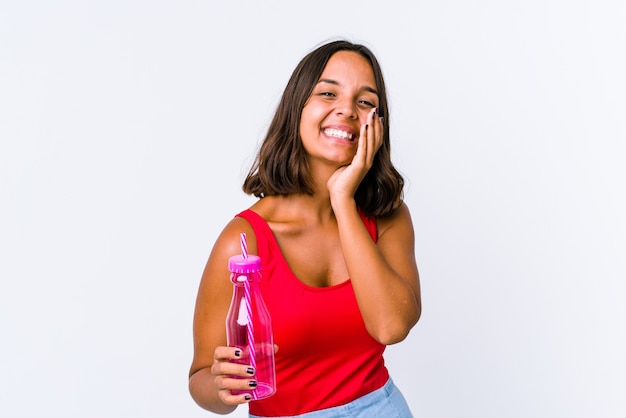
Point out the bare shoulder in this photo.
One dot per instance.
(228, 242)
(398, 222)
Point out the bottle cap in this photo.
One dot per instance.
(241, 264)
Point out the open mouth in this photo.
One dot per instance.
(338, 133)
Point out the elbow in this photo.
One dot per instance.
(390, 337)
(390, 334)
(393, 327)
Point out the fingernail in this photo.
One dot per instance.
(247, 397)
(366, 127)
(250, 370)
(252, 384)
(376, 112)
(238, 353)
(382, 120)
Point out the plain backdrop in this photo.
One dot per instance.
(126, 130)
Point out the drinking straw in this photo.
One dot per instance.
(244, 245)
(246, 287)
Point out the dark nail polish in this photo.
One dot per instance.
(366, 126)
(376, 112)
(382, 120)
(250, 370)
(237, 353)
(247, 397)
(252, 384)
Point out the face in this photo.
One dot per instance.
(340, 102)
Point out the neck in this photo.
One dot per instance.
(315, 208)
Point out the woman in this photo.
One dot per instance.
(337, 245)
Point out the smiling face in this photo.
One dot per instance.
(340, 102)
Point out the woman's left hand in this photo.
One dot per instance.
(345, 181)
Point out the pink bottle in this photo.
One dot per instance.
(249, 325)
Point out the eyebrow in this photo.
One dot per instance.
(336, 83)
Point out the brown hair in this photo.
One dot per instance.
(281, 166)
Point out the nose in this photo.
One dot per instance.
(346, 108)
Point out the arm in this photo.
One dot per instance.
(384, 275)
(209, 378)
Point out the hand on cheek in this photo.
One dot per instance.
(345, 181)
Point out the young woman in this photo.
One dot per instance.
(337, 246)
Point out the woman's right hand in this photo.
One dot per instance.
(230, 376)
(214, 371)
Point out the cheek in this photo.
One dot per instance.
(363, 114)
(313, 114)
(309, 125)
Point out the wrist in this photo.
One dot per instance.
(342, 203)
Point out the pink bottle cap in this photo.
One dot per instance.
(241, 264)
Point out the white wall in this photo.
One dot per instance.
(126, 128)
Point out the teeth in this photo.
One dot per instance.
(338, 133)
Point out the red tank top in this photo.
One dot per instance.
(326, 357)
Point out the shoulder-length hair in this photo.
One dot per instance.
(281, 166)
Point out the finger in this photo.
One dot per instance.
(226, 386)
(377, 134)
(226, 395)
(378, 124)
(361, 149)
(229, 383)
(371, 117)
(227, 353)
(225, 363)
(220, 368)
(371, 133)
(230, 399)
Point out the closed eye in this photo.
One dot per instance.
(366, 103)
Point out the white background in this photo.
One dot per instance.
(127, 127)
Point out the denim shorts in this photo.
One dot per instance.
(386, 402)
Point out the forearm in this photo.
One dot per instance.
(204, 393)
(386, 300)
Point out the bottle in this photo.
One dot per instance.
(249, 325)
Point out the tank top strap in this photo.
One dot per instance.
(370, 225)
(266, 242)
(255, 220)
